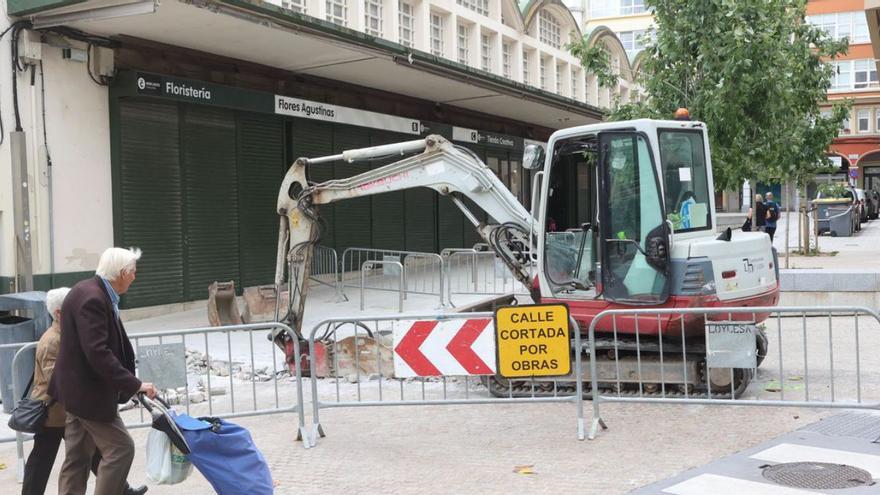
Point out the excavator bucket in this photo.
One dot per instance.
(259, 303)
(222, 306)
(360, 356)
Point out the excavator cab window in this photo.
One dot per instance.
(634, 248)
(685, 177)
(570, 254)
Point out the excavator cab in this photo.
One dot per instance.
(605, 235)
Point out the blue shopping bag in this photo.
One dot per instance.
(226, 456)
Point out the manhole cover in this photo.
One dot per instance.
(818, 475)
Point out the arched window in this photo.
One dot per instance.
(549, 30)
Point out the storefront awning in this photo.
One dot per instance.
(265, 34)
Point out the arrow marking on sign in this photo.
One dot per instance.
(460, 347)
(450, 347)
(409, 351)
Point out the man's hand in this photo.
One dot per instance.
(149, 389)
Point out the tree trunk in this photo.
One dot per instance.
(787, 220)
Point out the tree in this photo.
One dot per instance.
(752, 70)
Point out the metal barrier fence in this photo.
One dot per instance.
(325, 266)
(374, 385)
(252, 390)
(424, 271)
(469, 271)
(801, 357)
(369, 266)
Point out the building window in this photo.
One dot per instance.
(337, 12)
(612, 8)
(633, 41)
(630, 7)
(877, 120)
(863, 119)
(478, 6)
(298, 6)
(842, 78)
(839, 25)
(485, 52)
(844, 126)
(462, 44)
(543, 74)
(548, 29)
(437, 25)
(525, 64)
(505, 60)
(864, 73)
(405, 23)
(558, 79)
(854, 74)
(373, 17)
(574, 83)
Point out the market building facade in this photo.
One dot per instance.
(169, 126)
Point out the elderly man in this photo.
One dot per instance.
(94, 373)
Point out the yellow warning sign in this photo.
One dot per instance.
(533, 340)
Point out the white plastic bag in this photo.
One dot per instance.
(166, 465)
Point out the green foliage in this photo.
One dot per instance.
(594, 59)
(832, 190)
(753, 71)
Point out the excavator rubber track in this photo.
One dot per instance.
(607, 349)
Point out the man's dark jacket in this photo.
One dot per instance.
(95, 367)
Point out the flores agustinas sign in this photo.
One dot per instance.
(297, 107)
(533, 340)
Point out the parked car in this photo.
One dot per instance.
(864, 206)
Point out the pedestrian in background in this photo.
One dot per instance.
(772, 215)
(758, 214)
(95, 372)
(46, 442)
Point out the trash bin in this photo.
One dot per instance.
(834, 217)
(29, 325)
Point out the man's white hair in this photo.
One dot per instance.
(54, 299)
(116, 260)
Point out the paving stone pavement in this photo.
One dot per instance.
(475, 448)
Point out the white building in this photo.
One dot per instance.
(520, 41)
(168, 125)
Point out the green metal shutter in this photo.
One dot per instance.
(450, 224)
(352, 223)
(260, 160)
(421, 225)
(388, 209)
(312, 139)
(471, 236)
(210, 198)
(149, 208)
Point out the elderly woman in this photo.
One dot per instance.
(46, 442)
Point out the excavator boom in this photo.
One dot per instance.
(450, 170)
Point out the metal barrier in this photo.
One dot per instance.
(368, 266)
(325, 266)
(18, 438)
(212, 402)
(423, 274)
(808, 357)
(469, 271)
(383, 389)
(354, 258)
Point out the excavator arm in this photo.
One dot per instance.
(452, 171)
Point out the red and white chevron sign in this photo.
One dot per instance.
(444, 348)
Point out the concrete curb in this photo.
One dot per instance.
(822, 280)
